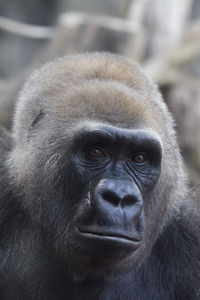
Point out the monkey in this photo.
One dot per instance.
(94, 199)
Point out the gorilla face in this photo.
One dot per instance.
(115, 170)
(92, 193)
(87, 162)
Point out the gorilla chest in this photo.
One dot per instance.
(146, 284)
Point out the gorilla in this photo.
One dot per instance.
(94, 200)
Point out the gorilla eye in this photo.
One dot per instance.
(96, 153)
(139, 158)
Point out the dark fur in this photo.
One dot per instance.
(38, 253)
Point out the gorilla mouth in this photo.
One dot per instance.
(118, 237)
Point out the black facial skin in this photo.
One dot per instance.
(115, 170)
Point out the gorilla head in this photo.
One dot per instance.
(95, 161)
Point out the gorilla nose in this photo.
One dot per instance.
(118, 192)
(116, 209)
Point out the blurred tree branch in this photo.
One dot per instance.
(26, 30)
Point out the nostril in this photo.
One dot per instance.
(122, 193)
(115, 199)
(111, 197)
(128, 200)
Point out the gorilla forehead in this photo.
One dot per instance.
(112, 134)
(101, 87)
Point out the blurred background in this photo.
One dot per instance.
(162, 35)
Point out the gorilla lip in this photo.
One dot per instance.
(110, 236)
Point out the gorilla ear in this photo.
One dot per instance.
(5, 141)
